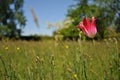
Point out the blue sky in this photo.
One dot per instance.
(45, 10)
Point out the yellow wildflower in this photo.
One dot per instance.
(6, 48)
(66, 46)
(75, 75)
(18, 48)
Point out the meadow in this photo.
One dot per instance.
(60, 60)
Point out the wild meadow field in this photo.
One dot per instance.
(60, 60)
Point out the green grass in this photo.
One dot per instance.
(60, 60)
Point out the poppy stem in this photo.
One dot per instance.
(93, 41)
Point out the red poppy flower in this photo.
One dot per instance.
(88, 28)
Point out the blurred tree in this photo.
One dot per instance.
(77, 12)
(11, 14)
(107, 13)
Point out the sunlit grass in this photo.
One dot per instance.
(60, 60)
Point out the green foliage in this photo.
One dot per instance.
(70, 32)
(109, 15)
(12, 19)
(106, 12)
